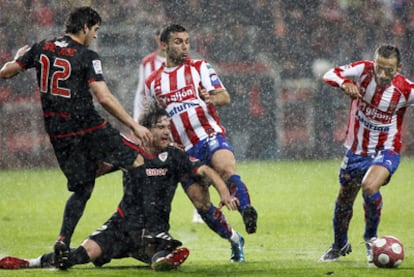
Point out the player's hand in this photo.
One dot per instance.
(178, 145)
(205, 95)
(352, 90)
(21, 51)
(142, 133)
(232, 203)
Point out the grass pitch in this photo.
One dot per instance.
(295, 204)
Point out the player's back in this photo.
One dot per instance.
(64, 72)
(64, 69)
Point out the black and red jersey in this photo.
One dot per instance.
(149, 189)
(64, 70)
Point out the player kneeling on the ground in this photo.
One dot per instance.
(139, 228)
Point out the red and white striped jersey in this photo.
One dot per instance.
(375, 120)
(148, 65)
(177, 89)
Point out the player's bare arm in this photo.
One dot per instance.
(12, 68)
(225, 198)
(220, 97)
(112, 105)
(217, 97)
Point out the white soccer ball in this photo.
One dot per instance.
(388, 252)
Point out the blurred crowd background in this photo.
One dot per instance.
(270, 54)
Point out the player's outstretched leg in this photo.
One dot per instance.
(248, 212)
(166, 261)
(216, 221)
(9, 262)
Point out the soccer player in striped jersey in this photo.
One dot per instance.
(190, 90)
(379, 96)
(149, 64)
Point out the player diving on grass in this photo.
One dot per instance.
(139, 228)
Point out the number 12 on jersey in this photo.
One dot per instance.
(61, 72)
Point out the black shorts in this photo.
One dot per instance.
(118, 238)
(78, 156)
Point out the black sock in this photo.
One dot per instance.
(47, 260)
(74, 208)
(78, 256)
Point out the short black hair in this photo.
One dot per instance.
(81, 16)
(172, 28)
(151, 114)
(388, 51)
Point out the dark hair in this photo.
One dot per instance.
(172, 28)
(81, 16)
(388, 51)
(151, 114)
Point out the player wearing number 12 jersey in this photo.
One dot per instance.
(67, 73)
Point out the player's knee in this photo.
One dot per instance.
(370, 186)
(202, 206)
(369, 189)
(347, 194)
(83, 194)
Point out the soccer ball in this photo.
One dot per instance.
(388, 252)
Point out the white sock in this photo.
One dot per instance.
(35, 262)
(234, 236)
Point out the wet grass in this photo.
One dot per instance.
(294, 199)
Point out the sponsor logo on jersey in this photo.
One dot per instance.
(371, 126)
(374, 113)
(156, 171)
(180, 95)
(180, 108)
(97, 66)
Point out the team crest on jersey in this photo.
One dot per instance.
(97, 66)
(163, 156)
